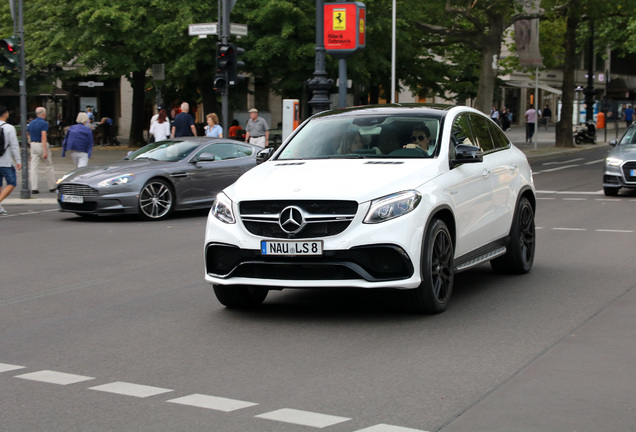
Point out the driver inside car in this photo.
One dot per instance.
(420, 138)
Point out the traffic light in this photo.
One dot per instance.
(235, 65)
(220, 83)
(9, 48)
(223, 56)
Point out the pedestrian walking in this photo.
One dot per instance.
(213, 129)
(79, 141)
(9, 156)
(531, 121)
(38, 130)
(547, 115)
(628, 115)
(505, 119)
(183, 124)
(160, 129)
(257, 130)
(494, 115)
(235, 129)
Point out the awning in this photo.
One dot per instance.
(530, 85)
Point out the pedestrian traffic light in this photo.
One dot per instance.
(220, 83)
(235, 64)
(9, 51)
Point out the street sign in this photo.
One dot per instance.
(202, 29)
(238, 29)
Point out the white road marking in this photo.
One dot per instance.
(569, 229)
(600, 192)
(212, 402)
(614, 231)
(575, 199)
(594, 161)
(388, 428)
(53, 377)
(559, 168)
(5, 367)
(305, 418)
(562, 162)
(29, 213)
(129, 389)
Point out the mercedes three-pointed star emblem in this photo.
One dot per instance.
(291, 220)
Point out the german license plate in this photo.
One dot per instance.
(307, 248)
(78, 199)
(632, 173)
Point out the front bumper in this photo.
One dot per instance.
(118, 201)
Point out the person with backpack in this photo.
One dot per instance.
(9, 152)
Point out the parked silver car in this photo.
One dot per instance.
(620, 164)
(174, 174)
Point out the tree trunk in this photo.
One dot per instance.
(489, 57)
(564, 135)
(137, 122)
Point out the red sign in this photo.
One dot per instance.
(344, 28)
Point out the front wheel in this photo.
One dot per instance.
(156, 200)
(240, 296)
(610, 191)
(520, 254)
(434, 293)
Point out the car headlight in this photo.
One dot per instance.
(392, 206)
(613, 162)
(122, 179)
(222, 209)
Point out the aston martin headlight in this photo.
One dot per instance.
(392, 206)
(120, 180)
(222, 209)
(613, 162)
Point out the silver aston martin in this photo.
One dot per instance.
(162, 177)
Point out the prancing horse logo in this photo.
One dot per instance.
(291, 220)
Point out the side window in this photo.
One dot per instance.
(498, 136)
(482, 134)
(226, 151)
(461, 133)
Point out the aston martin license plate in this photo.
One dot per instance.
(78, 199)
(291, 247)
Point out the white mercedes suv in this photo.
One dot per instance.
(394, 196)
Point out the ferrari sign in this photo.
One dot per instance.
(344, 28)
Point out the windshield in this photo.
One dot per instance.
(165, 151)
(378, 136)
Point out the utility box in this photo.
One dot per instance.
(291, 116)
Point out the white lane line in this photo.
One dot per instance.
(559, 168)
(600, 192)
(594, 162)
(305, 418)
(615, 231)
(53, 377)
(30, 213)
(563, 162)
(129, 389)
(569, 229)
(5, 367)
(546, 198)
(388, 428)
(212, 402)
(574, 199)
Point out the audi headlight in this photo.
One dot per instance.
(222, 209)
(392, 206)
(613, 162)
(122, 179)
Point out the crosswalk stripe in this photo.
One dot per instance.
(212, 402)
(53, 377)
(129, 389)
(305, 418)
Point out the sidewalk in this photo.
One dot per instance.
(102, 155)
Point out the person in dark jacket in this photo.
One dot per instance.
(79, 141)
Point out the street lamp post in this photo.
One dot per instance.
(589, 90)
(319, 84)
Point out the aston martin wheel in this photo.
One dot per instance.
(519, 256)
(156, 200)
(434, 293)
(240, 296)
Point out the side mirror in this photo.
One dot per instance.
(264, 155)
(466, 153)
(613, 143)
(206, 157)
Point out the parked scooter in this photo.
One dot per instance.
(586, 134)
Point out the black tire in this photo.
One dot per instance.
(519, 257)
(156, 200)
(434, 293)
(240, 296)
(610, 191)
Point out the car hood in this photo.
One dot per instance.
(624, 151)
(347, 179)
(97, 173)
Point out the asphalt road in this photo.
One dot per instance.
(107, 325)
